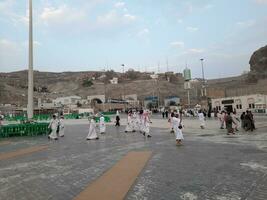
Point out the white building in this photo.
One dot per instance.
(114, 80)
(255, 103)
(70, 100)
(154, 76)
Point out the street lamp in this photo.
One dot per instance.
(203, 78)
(123, 87)
(30, 70)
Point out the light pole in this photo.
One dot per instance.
(30, 70)
(203, 78)
(123, 87)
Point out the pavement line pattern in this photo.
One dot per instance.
(4, 143)
(21, 152)
(116, 182)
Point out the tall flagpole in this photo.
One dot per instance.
(30, 70)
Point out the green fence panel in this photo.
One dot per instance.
(24, 129)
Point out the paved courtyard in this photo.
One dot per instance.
(209, 164)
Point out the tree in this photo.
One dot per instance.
(87, 83)
(132, 75)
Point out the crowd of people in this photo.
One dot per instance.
(139, 121)
(231, 121)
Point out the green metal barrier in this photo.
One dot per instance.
(109, 113)
(24, 129)
(107, 119)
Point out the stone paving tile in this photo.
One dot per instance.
(200, 170)
(205, 167)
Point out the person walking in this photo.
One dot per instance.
(222, 119)
(61, 126)
(229, 123)
(129, 126)
(201, 118)
(1, 119)
(242, 118)
(251, 121)
(92, 135)
(235, 121)
(171, 122)
(146, 124)
(53, 125)
(177, 129)
(167, 114)
(117, 119)
(102, 125)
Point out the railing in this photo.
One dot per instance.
(31, 129)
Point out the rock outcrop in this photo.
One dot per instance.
(258, 61)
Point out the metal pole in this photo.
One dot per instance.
(123, 88)
(203, 78)
(30, 70)
(188, 98)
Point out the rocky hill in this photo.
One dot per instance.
(258, 61)
(48, 85)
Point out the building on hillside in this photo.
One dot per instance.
(131, 97)
(171, 101)
(151, 102)
(66, 101)
(99, 99)
(114, 80)
(132, 100)
(255, 103)
(46, 104)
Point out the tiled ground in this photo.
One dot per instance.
(208, 166)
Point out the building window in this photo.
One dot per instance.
(251, 105)
(239, 106)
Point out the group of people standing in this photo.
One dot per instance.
(247, 121)
(230, 121)
(92, 134)
(57, 127)
(138, 121)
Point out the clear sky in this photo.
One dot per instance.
(79, 35)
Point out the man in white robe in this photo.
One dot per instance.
(129, 126)
(102, 125)
(135, 122)
(92, 135)
(235, 120)
(222, 119)
(201, 118)
(171, 122)
(146, 124)
(177, 127)
(1, 119)
(54, 123)
(61, 127)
